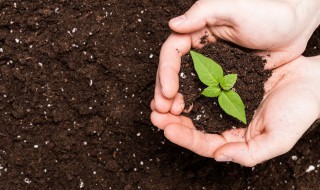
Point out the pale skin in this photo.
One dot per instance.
(280, 31)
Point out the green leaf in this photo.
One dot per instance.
(209, 72)
(232, 104)
(228, 81)
(211, 91)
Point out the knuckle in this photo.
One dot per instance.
(200, 4)
(250, 163)
(153, 118)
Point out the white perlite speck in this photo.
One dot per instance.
(17, 40)
(182, 75)
(81, 184)
(74, 30)
(294, 157)
(311, 168)
(1, 50)
(27, 180)
(151, 56)
(198, 117)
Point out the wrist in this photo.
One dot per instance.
(307, 13)
(317, 7)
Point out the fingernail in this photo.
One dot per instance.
(178, 20)
(223, 158)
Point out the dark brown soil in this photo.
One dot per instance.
(75, 85)
(206, 112)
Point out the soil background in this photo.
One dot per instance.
(75, 85)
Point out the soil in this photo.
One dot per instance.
(75, 85)
(206, 112)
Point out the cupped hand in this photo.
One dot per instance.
(279, 29)
(290, 105)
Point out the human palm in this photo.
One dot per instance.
(290, 105)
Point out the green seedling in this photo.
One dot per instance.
(210, 73)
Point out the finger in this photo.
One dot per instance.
(194, 140)
(272, 82)
(276, 59)
(172, 50)
(202, 13)
(235, 135)
(282, 74)
(177, 105)
(152, 105)
(250, 153)
(161, 103)
(202, 38)
(162, 120)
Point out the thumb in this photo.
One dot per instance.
(258, 149)
(202, 13)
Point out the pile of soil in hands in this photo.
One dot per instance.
(206, 112)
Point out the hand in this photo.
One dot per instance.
(280, 29)
(290, 105)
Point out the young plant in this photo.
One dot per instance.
(210, 73)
